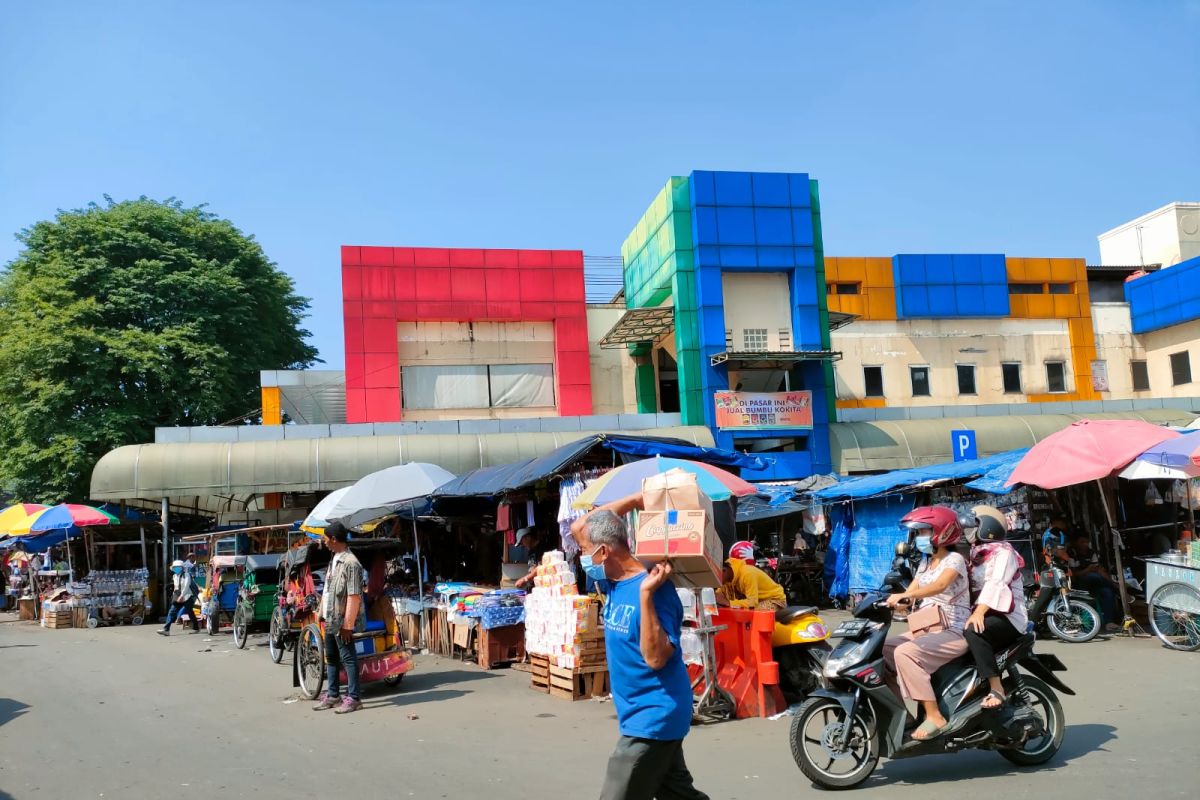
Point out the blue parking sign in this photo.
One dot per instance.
(962, 445)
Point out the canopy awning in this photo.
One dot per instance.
(242, 469)
(879, 446)
(638, 325)
(493, 481)
(766, 358)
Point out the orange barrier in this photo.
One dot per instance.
(745, 664)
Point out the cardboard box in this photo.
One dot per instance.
(677, 525)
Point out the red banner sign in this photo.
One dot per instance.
(763, 410)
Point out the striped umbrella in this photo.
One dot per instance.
(627, 479)
(70, 515)
(15, 520)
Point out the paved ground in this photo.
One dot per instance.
(122, 713)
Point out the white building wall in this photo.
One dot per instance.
(1166, 236)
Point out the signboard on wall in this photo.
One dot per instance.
(749, 411)
(1100, 376)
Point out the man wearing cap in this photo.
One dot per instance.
(183, 598)
(343, 613)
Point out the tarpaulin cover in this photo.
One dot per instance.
(874, 538)
(754, 508)
(43, 542)
(837, 557)
(993, 481)
(871, 485)
(494, 481)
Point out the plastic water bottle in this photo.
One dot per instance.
(708, 598)
(688, 598)
(692, 647)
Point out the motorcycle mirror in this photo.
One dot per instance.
(902, 549)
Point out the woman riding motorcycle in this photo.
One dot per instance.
(999, 618)
(942, 592)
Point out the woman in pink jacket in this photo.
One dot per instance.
(999, 617)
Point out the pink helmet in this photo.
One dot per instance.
(743, 551)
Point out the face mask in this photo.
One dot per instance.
(177, 570)
(593, 571)
(925, 545)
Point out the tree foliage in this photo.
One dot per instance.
(118, 318)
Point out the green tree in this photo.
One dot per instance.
(117, 318)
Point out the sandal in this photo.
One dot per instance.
(999, 700)
(927, 731)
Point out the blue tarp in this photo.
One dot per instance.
(874, 538)
(994, 479)
(755, 508)
(495, 481)
(43, 542)
(872, 485)
(837, 557)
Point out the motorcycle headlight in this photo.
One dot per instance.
(844, 657)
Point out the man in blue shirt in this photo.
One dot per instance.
(650, 685)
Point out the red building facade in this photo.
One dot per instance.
(385, 286)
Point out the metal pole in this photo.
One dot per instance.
(1191, 513)
(166, 551)
(420, 571)
(1116, 544)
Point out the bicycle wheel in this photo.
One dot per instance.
(241, 627)
(278, 631)
(1175, 616)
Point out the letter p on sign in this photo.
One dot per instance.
(962, 445)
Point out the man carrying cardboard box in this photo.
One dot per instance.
(650, 685)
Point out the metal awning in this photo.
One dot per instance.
(639, 325)
(769, 359)
(840, 319)
(244, 469)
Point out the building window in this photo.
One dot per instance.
(1059, 288)
(966, 378)
(754, 340)
(1012, 378)
(847, 288)
(1181, 368)
(1025, 288)
(920, 381)
(1141, 376)
(1056, 377)
(474, 387)
(873, 378)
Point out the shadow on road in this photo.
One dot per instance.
(1079, 740)
(9, 710)
(6, 646)
(427, 687)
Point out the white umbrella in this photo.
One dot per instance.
(318, 519)
(382, 494)
(1139, 470)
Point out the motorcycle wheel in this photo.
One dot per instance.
(1079, 622)
(800, 669)
(814, 736)
(1044, 703)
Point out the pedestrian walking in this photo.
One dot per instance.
(183, 598)
(343, 613)
(651, 690)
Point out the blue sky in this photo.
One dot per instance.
(1023, 128)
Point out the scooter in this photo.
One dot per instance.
(800, 645)
(1069, 614)
(839, 734)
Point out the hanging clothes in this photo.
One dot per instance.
(569, 491)
(529, 521)
(504, 517)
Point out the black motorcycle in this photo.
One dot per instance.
(839, 734)
(1069, 614)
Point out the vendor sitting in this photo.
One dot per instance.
(746, 586)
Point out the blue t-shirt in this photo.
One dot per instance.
(651, 704)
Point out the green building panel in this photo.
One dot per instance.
(822, 298)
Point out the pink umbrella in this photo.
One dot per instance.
(1087, 450)
(1090, 450)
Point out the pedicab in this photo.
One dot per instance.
(256, 596)
(298, 596)
(382, 655)
(222, 586)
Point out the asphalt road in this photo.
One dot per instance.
(122, 713)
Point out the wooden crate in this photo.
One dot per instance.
(79, 617)
(501, 645)
(58, 619)
(539, 673)
(580, 683)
